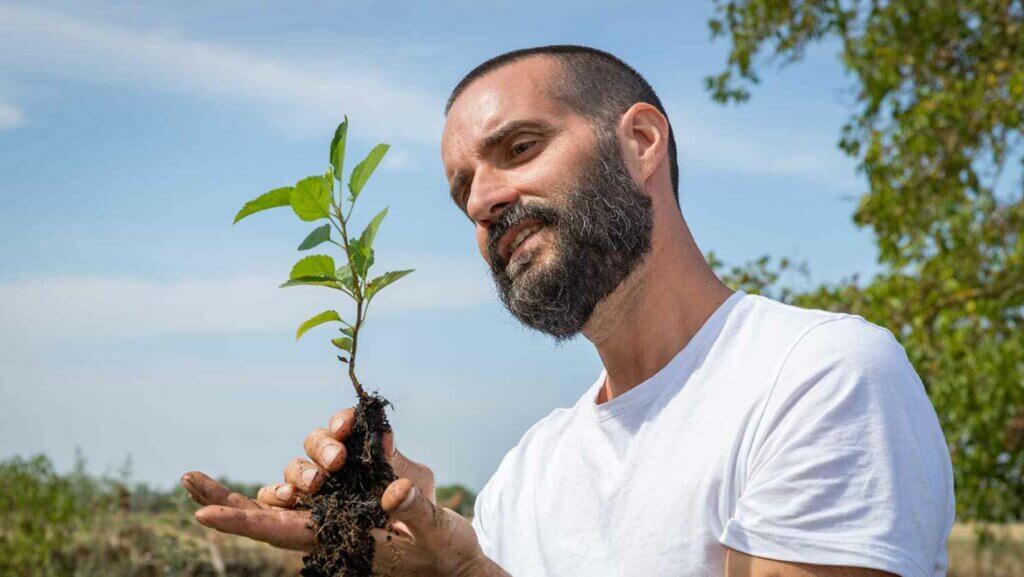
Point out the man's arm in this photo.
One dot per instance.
(739, 564)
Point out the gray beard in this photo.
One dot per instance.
(602, 227)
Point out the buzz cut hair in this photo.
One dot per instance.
(593, 83)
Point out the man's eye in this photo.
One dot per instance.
(516, 147)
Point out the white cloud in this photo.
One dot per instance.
(396, 160)
(10, 117)
(722, 140)
(298, 95)
(97, 307)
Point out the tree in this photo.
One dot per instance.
(936, 131)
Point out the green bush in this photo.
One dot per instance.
(77, 525)
(39, 514)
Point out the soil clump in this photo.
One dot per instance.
(347, 506)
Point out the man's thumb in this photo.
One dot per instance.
(404, 502)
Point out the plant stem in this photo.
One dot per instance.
(355, 345)
(357, 294)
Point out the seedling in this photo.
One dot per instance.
(347, 505)
(312, 199)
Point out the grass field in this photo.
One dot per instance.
(171, 544)
(74, 525)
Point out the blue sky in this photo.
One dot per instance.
(136, 320)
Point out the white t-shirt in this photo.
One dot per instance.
(786, 433)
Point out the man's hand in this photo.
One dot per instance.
(426, 539)
(324, 447)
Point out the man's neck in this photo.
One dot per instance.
(655, 312)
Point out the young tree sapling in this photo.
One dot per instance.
(347, 505)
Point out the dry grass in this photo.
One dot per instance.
(76, 526)
(1003, 557)
(172, 544)
(226, 555)
(167, 544)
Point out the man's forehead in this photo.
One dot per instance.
(514, 91)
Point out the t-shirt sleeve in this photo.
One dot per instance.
(480, 512)
(848, 465)
(486, 517)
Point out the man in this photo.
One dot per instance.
(728, 434)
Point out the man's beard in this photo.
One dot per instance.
(602, 227)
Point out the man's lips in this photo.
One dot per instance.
(505, 243)
(525, 244)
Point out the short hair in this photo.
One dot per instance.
(593, 83)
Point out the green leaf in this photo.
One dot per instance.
(370, 232)
(317, 265)
(320, 234)
(377, 284)
(361, 173)
(344, 275)
(314, 281)
(338, 149)
(347, 331)
(273, 199)
(362, 257)
(324, 317)
(311, 199)
(343, 343)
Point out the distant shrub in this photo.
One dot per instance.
(77, 525)
(457, 498)
(39, 513)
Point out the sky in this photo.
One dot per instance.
(136, 322)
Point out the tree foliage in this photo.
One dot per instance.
(936, 130)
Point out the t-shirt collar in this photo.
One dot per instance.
(639, 396)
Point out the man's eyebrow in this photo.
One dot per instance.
(508, 129)
(493, 139)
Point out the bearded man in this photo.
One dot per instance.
(727, 434)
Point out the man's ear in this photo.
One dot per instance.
(643, 130)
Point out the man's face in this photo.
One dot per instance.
(559, 218)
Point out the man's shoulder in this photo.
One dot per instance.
(810, 341)
(767, 314)
(850, 370)
(767, 331)
(845, 456)
(848, 343)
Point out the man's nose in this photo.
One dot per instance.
(488, 199)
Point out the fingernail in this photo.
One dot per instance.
(407, 502)
(329, 453)
(283, 492)
(336, 424)
(309, 476)
(201, 517)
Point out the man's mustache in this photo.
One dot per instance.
(511, 218)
